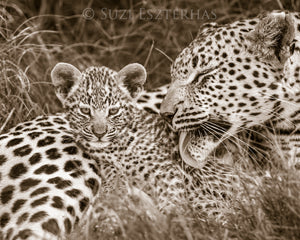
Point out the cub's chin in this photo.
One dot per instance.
(91, 145)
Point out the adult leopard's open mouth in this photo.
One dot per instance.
(196, 144)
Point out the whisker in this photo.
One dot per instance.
(212, 133)
(282, 100)
(236, 138)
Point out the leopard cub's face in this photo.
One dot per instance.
(97, 112)
(98, 100)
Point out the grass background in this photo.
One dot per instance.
(35, 35)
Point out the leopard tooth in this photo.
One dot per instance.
(184, 139)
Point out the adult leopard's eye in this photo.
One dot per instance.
(113, 111)
(292, 48)
(85, 110)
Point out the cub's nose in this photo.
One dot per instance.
(99, 131)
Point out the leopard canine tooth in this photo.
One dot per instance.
(184, 139)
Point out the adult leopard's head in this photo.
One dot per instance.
(227, 80)
(98, 100)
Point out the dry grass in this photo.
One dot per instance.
(35, 35)
(273, 214)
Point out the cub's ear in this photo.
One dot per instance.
(131, 78)
(65, 78)
(272, 36)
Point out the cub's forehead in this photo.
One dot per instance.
(95, 80)
(99, 76)
(97, 84)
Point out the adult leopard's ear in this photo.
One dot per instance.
(65, 78)
(131, 79)
(206, 28)
(291, 70)
(272, 36)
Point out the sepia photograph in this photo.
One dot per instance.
(150, 120)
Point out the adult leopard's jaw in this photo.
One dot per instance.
(184, 141)
(195, 149)
(198, 144)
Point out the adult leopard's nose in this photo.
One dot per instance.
(168, 116)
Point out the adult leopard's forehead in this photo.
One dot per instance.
(98, 85)
(211, 48)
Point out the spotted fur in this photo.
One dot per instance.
(231, 79)
(151, 100)
(47, 182)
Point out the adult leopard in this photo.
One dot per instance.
(231, 78)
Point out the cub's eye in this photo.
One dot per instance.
(85, 110)
(113, 111)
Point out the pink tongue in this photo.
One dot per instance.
(184, 139)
